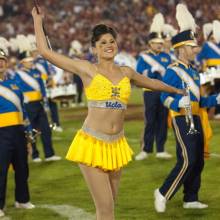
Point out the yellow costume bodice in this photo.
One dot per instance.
(102, 89)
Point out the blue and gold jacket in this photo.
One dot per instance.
(44, 67)
(209, 55)
(148, 60)
(12, 111)
(178, 75)
(31, 83)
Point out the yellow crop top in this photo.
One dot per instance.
(102, 89)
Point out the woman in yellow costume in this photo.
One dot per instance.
(100, 147)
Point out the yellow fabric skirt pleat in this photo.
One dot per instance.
(106, 155)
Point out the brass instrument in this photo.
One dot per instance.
(188, 110)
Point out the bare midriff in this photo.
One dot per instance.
(108, 121)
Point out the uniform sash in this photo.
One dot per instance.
(11, 96)
(33, 83)
(214, 47)
(188, 80)
(152, 62)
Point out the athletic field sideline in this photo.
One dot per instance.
(59, 191)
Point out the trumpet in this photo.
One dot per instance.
(189, 115)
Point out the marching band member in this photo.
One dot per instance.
(208, 58)
(47, 72)
(13, 143)
(185, 118)
(209, 55)
(100, 147)
(30, 81)
(153, 63)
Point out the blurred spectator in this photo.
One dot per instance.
(73, 19)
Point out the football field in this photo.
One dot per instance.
(59, 191)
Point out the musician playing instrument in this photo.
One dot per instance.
(185, 118)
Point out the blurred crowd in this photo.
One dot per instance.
(73, 19)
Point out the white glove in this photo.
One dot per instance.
(218, 99)
(184, 102)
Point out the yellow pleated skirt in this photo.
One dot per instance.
(107, 155)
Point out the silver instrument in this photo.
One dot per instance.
(188, 110)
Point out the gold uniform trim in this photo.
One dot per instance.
(187, 42)
(212, 62)
(11, 118)
(195, 110)
(185, 162)
(33, 96)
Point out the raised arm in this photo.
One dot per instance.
(148, 83)
(79, 67)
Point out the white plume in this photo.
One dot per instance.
(32, 39)
(207, 29)
(13, 44)
(216, 30)
(169, 30)
(4, 45)
(157, 24)
(185, 19)
(75, 48)
(23, 43)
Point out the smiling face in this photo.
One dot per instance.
(106, 47)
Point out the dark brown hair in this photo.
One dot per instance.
(99, 30)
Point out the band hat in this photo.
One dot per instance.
(24, 48)
(155, 38)
(155, 34)
(187, 25)
(216, 31)
(184, 38)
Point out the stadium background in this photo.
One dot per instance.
(61, 183)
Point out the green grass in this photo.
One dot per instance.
(62, 183)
